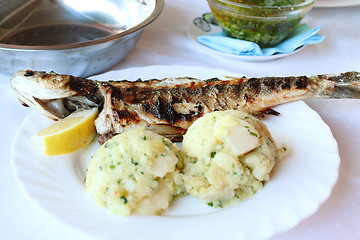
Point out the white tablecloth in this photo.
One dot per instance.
(166, 42)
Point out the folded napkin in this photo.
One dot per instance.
(302, 35)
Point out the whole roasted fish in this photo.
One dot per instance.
(169, 106)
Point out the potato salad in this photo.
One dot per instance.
(228, 155)
(135, 172)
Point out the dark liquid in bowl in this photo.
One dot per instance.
(55, 35)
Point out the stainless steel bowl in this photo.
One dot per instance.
(78, 37)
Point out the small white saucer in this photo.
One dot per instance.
(336, 3)
(200, 26)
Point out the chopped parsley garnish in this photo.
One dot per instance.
(253, 134)
(123, 199)
(166, 142)
(134, 162)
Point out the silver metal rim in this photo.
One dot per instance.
(158, 9)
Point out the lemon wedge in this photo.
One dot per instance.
(69, 134)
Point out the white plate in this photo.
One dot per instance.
(300, 184)
(194, 32)
(336, 3)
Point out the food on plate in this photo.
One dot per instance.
(68, 134)
(227, 156)
(135, 172)
(171, 105)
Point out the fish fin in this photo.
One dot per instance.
(263, 113)
(344, 85)
(173, 133)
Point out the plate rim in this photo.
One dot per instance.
(335, 3)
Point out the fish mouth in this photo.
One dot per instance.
(62, 107)
(58, 108)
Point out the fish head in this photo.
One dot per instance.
(55, 96)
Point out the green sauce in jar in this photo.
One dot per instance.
(269, 3)
(266, 22)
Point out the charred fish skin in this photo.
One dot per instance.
(169, 106)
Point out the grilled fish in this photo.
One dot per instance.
(169, 106)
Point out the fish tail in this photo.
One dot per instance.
(344, 85)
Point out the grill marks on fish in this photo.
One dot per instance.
(171, 109)
(170, 106)
(82, 86)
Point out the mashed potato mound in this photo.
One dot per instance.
(135, 172)
(227, 155)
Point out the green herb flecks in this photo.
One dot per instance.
(123, 199)
(166, 142)
(108, 145)
(134, 162)
(253, 134)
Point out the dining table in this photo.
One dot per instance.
(166, 43)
